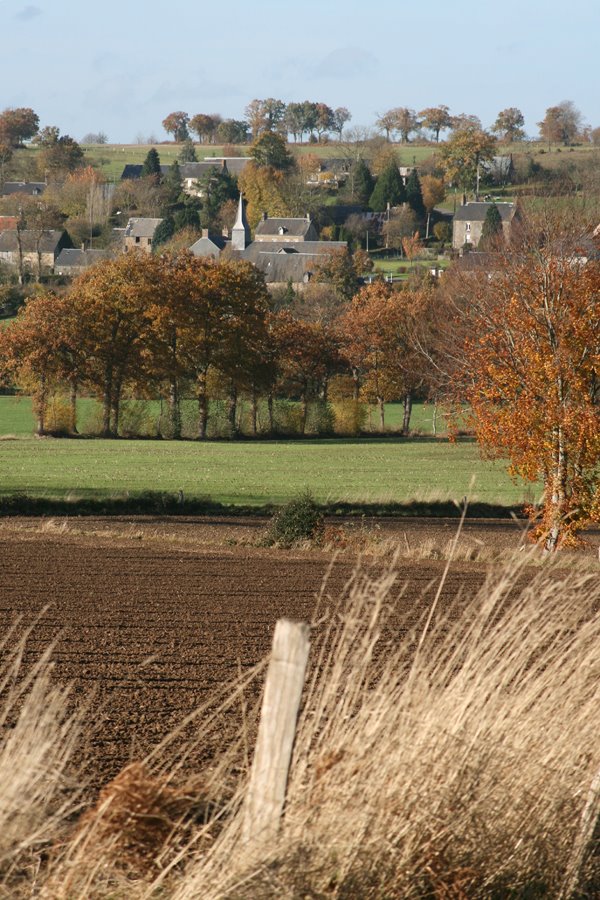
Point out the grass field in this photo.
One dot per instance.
(361, 470)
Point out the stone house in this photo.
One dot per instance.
(73, 262)
(139, 234)
(290, 230)
(32, 250)
(467, 224)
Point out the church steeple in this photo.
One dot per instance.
(240, 235)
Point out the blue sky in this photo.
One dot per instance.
(121, 67)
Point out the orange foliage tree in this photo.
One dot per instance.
(531, 375)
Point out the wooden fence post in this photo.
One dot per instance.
(281, 701)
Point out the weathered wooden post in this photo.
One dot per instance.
(281, 701)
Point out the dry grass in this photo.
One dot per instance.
(457, 759)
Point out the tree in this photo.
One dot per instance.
(387, 123)
(59, 153)
(388, 189)
(492, 236)
(232, 131)
(188, 152)
(265, 116)
(436, 119)
(18, 125)
(400, 225)
(6, 154)
(176, 123)
(173, 184)
(341, 116)
(363, 183)
(323, 118)
(205, 126)
(531, 375)
(406, 122)
(271, 150)
(414, 195)
(95, 137)
(262, 187)
(151, 165)
(337, 268)
(462, 153)
(561, 123)
(434, 192)
(509, 125)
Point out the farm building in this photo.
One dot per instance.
(467, 224)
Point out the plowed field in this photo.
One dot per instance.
(148, 628)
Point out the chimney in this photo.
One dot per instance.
(264, 217)
(205, 232)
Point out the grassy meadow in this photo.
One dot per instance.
(250, 473)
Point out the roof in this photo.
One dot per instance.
(292, 227)
(198, 169)
(134, 170)
(204, 246)
(33, 188)
(235, 164)
(31, 241)
(280, 261)
(476, 212)
(141, 227)
(80, 258)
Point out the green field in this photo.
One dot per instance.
(362, 470)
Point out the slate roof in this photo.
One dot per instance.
(234, 164)
(476, 212)
(141, 228)
(293, 227)
(134, 170)
(80, 258)
(33, 188)
(280, 261)
(198, 169)
(48, 243)
(204, 246)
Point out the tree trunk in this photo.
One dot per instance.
(253, 411)
(434, 418)
(355, 386)
(73, 407)
(174, 409)
(407, 413)
(270, 413)
(427, 226)
(381, 407)
(41, 398)
(232, 409)
(106, 401)
(558, 494)
(202, 406)
(304, 410)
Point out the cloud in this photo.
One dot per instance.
(346, 62)
(27, 13)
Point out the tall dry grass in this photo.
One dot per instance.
(457, 758)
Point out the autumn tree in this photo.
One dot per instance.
(561, 124)
(531, 375)
(58, 153)
(204, 126)
(270, 149)
(401, 119)
(434, 192)
(435, 119)
(262, 187)
(400, 224)
(17, 126)
(341, 116)
(232, 131)
(338, 269)
(176, 123)
(462, 153)
(509, 125)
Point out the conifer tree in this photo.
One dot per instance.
(188, 152)
(414, 195)
(151, 164)
(173, 183)
(363, 182)
(491, 233)
(389, 189)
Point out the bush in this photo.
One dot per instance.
(136, 419)
(298, 520)
(58, 417)
(350, 416)
(320, 418)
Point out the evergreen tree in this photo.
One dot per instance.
(363, 182)
(164, 232)
(388, 189)
(414, 195)
(491, 234)
(151, 164)
(173, 183)
(187, 217)
(188, 152)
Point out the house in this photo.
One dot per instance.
(31, 188)
(467, 224)
(73, 262)
(32, 250)
(289, 230)
(9, 223)
(132, 171)
(209, 244)
(193, 171)
(139, 234)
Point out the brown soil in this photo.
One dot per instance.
(149, 617)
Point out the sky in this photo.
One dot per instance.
(121, 67)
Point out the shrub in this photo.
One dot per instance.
(136, 419)
(58, 417)
(350, 416)
(320, 418)
(298, 520)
